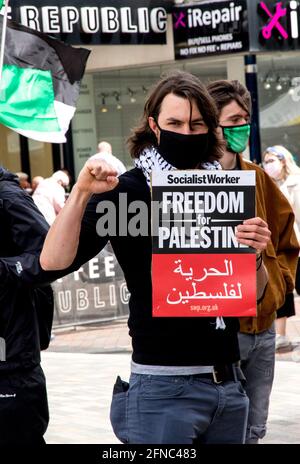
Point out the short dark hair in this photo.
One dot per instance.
(184, 85)
(224, 92)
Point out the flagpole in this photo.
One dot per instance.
(4, 25)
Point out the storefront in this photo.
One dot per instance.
(267, 34)
(119, 77)
(121, 35)
(131, 47)
(112, 102)
(21, 154)
(133, 43)
(275, 39)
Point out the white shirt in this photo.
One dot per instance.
(112, 160)
(291, 190)
(49, 197)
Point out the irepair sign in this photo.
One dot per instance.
(278, 25)
(96, 21)
(219, 27)
(210, 28)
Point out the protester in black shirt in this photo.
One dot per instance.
(185, 381)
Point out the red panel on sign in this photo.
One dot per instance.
(195, 285)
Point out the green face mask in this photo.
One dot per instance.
(237, 137)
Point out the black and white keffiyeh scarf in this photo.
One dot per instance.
(150, 160)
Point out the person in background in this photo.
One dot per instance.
(69, 186)
(257, 334)
(279, 163)
(105, 153)
(35, 182)
(24, 181)
(49, 195)
(185, 383)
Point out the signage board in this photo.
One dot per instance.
(96, 22)
(198, 266)
(274, 26)
(210, 28)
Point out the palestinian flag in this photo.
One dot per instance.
(40, 83)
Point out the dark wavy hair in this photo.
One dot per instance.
(183, 85)
(224, 92)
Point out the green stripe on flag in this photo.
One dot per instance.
(27, 99)
(1, 3)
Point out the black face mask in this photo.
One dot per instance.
(183, 151)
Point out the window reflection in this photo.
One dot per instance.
(279, 98)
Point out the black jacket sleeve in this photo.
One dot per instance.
(28, 230)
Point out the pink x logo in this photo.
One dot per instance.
(274, 22)
(179, 20)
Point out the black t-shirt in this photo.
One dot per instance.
(178, 341)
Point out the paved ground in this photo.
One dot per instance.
(81, 367)
(80, 386)
(79, 391)
(113, 338)
(105, 338)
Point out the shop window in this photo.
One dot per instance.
(279, 101)
(10, 149)
(40, 155)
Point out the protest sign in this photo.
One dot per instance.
(198, 266)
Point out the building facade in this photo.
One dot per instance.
(133, 43)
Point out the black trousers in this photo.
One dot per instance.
(288, 307)
(24, 413)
